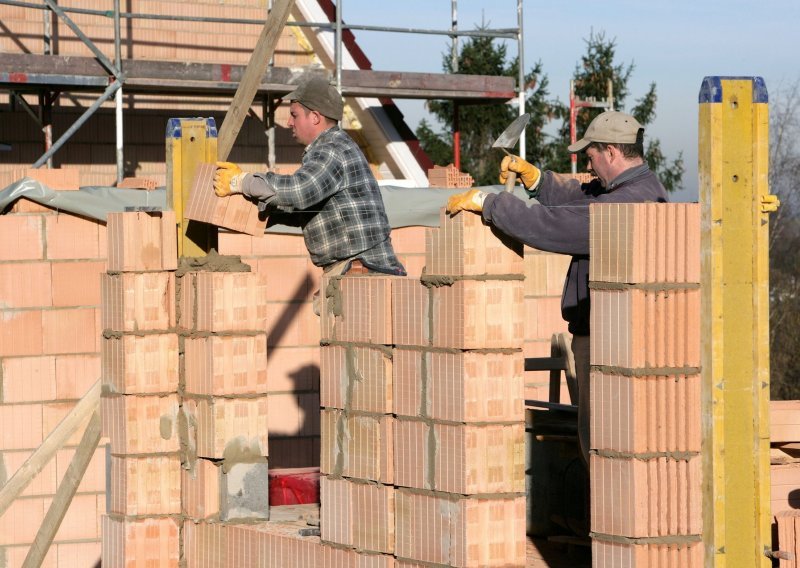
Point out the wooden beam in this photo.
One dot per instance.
(65, 493)
(246, 92)
(733, 156)
(54, 442)
(212, 79)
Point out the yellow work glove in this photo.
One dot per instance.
(471, 200)
(228, 179)
(528, 173)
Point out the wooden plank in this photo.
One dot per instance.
(733, 154)
(65, 493)
(216, 79)
(259, 60)
(54, 442)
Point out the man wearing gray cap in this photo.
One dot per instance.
(334, 192)
(559, 222)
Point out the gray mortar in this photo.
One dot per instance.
(648, 286)
(647, 371)
(212, 262)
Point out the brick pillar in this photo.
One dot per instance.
(645, 465)
(422, 395)
(222, 323)
(140, 403)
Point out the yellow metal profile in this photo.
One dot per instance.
(190, 142)
(733, 169)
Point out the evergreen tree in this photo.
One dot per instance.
(591, 78)
(481, 124)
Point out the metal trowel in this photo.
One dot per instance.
(508, 139)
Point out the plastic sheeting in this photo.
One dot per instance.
(405, 206)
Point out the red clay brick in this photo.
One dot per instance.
(141, 424)
(480, 532)
(20, 332)
(77, 283)
(609, 553)
(75, 374)
(293, 369)
(72, 237)
(25, 285)
(357, 515)
(145, 485)
(464, 245)
(200, 494)
(59, 179)
(141, 364)
(364, 373)
(141, 241)
(240, 423)
(226, 365)
(28, 379)
(474, 314)
(645, 414)
(475, 387)
(60, 335)
(293, 414)
(138, 301)
(140, 542)
(22, 237)
(641, 498)
(410, 312)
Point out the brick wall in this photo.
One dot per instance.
(50, 268)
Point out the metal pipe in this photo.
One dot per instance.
(454, 28)
(118, 95)
(573, 158)
(507, 33)
(112, 88)
(106, 62)
(454, 69)
(521, 75)
(338, 45)
(47, 129)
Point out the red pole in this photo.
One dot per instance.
(573, 158)
(456, 138)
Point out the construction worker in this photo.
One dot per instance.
(334, 193)
(559, 221)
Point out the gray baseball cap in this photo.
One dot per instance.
(609, 127)
(318, 94)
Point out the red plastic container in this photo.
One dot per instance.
(295, 486)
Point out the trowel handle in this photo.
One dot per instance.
(511, 181)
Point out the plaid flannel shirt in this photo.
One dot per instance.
(338, 197)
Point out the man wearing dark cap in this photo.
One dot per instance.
(343, 218)
(559, 222)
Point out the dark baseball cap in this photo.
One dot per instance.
(318, 94)
(609, 127)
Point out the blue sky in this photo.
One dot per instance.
(674, 43)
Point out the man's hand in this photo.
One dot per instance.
(471, 200)
(528, 173)
(228, 179)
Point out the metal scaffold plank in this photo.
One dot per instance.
(733, 160)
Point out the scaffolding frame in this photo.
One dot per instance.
(116, 79)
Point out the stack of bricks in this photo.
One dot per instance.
(448, 176)
(357, 494)
(140, 403)
(422, 389)
(645, 465)
(222, 321)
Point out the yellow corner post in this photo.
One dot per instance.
(735, 201)
(190, 142)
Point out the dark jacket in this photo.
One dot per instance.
(560, 223)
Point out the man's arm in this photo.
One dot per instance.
(315, 180)
(563, 229)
